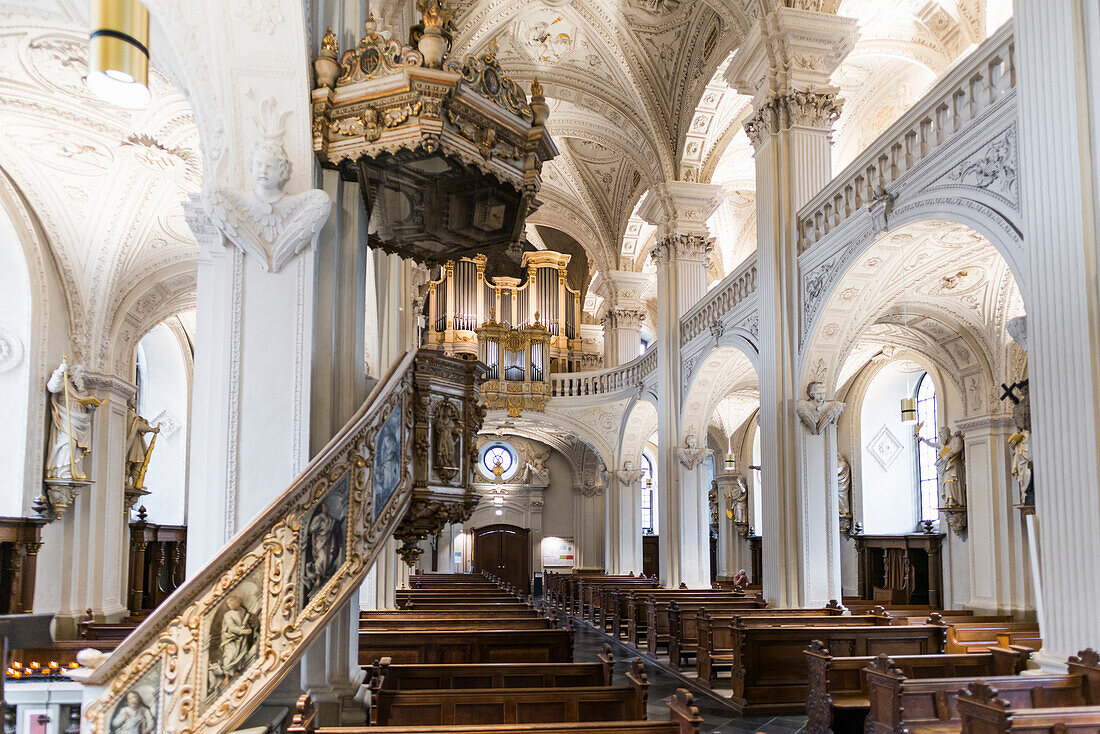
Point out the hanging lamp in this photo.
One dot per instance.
(118, 52)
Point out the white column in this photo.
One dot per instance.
(624, 522)
(821, 517)
(996, 532)
(624, 295)
(785, 63)
(679, 210)
(693, 521)
(250, 407)
(1058, 60)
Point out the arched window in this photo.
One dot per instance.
(927, 482)
(649, 494)
(756, 477)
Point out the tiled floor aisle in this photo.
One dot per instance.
(716, 719)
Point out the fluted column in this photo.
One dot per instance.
(785, 63)
(1058, 61)
(679, 210)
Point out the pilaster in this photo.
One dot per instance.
(90, 544)
(996, 535)
(624, 522)
(784, 64)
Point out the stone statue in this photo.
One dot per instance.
(690, 454)
(70, 423)
(1020, 445)
(712, 502)
(737, 499)
(535, 470)
(950, 466)
(844, 485)
(137, 450)
(267, 223)
(816, 412)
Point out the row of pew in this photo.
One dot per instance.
(857, 667)
(463, 654)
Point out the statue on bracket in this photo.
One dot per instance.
(951, 471)
(267, 223)
(628, 475)
(137, 454)
(737, 502)
(71, 409)
(844, 491)
(816, 412)
(1020, 443)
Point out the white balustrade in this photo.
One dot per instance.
(981, 81)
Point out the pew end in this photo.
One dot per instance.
(683, 712)
(607, 658)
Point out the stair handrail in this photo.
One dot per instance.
(422, 483)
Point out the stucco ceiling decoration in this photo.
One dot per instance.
(106, 183)
(625, 76)
(935, 287)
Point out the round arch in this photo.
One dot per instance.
(966, 291)
(722, 371)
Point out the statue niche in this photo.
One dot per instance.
(447, 433)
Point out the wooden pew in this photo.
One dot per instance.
(976, 636)
(630, 612)
(657, 614)
(769, 672)
(464, 605)
(683, 629)
(839, 696)
(386, 676)
(592, 595)
(714, 646)
(489, 612)
(683, 719)
(514, 705)
(462, 623)
(931, 704)
(983, 711)
(467, 646)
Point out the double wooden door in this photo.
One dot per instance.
(504, 550)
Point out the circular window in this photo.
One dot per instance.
(498, 461)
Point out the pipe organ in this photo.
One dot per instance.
(522, 329)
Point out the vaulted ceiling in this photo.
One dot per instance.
(105, 183)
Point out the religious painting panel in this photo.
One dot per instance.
(138, 710)
(387, 461)
(231, 632)
(324, 539)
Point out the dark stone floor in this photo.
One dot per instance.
(716, 718)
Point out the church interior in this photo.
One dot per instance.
(587, 366)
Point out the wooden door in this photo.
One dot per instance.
(504, 550)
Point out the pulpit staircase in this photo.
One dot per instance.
(402, 467)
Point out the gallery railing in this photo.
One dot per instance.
(719, 300)
(963, 97)
(211, 653)
(605, 381)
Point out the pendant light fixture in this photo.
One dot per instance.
(118, 52)
(909, 402)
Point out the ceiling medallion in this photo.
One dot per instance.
(448, 156)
